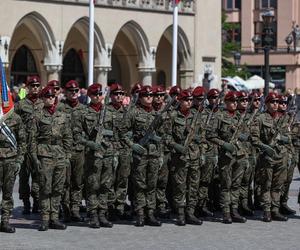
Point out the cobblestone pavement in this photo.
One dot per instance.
(254, 234)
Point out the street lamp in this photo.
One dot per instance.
(266, 40)
(237, 59)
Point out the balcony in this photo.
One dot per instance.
(186, 6)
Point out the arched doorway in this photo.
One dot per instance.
(73, 69)
(23, 65)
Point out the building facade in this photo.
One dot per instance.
(133, 41)
(284, 58)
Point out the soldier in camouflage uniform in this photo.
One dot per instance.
(50, 144)
(26, 108)
(266, 135)
(233, 157)
(93, 129)
(72, 195)
(116, 112)
(10, 162)
(185, 159)
(145, 158)
(57, 91)
(291, 156)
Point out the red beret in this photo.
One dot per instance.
(48, 90)
(95, 88)
(198, 91)
(116, 87)
(282, 98)
(255, 94)
(241, 94)
(146, 90)
(136, 88)
(230, 96)
(33, 79)
(72, 84)
(213, 92)
(185, 95)
(271, 96)
(158, 89)
(53, 83)
(175, 90)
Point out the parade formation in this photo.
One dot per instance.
(183, 153)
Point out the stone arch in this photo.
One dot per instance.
(164, 51)
(131, 46)
(34, 32)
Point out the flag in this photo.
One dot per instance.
(6, 101)
(177, 1)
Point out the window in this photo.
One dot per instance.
(232, 4)
(234, 34)
(229, 5)
(266, 4)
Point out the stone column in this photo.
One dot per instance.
(146, 75)
(53, 72)
(186, 77)
(100, 74)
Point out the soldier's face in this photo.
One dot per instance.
(231, 105)
(72, 94)
(49, 100)
(198, 101)
(158, 98)
(96, 98)
(56, 90)
(147, 99)
(282, 105)
(242, 103)
(117, 96)
(272, 106)
(256, 103)
(186, 104)
(34, 88)
(213, 100)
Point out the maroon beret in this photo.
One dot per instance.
(241, 94)
(185, 95)
(158, 89)
(95, 88)
(48, 90)
(230, 96)
(282, 98)
(53, 83)
(136, 88)
(213, 92)
(72, 84)
(198, 91)
(175, 90)
(116, 87)
(146, 90)
(271, 96)
(33, 79)
(255, 94)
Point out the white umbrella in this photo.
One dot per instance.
(256, 82)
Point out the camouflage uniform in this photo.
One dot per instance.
(10, 161)
(73, 187)
(27, 109)
(50, 143)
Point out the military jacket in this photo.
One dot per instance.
(16, 126)
(295, 134)
(181, 126)
(51, 135)
(222, 129)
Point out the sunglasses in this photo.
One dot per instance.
(257, 100)
(243, 100)
(35, 85)
(97, 94)
(200, 99)
(73, 90)
(159, 95)
(147, 95)
(188, 100)
(283, 102)
(49, 96)
(274, 101)
(56, 88)
(118, 93)
(213, 97)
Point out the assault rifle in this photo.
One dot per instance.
(192, 131)
(216, 105)
(133, 101)
(155, 124)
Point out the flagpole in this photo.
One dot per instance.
(175, 37)
(91, 42)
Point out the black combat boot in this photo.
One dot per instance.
(75, 216)
(227, 218)
(36, 207)
(26, 209)
(236, 217)
(6, 227)
(94, 221)
(140, 219)
(191, 218)
(204, 212)
(245, 210)
(286, 210)
(67, 213)
(151, 220)
(267, 216)
(44, 226)
(163, 213)
(103, 221)
(56, 224)
(278, 216)
(180, 217)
